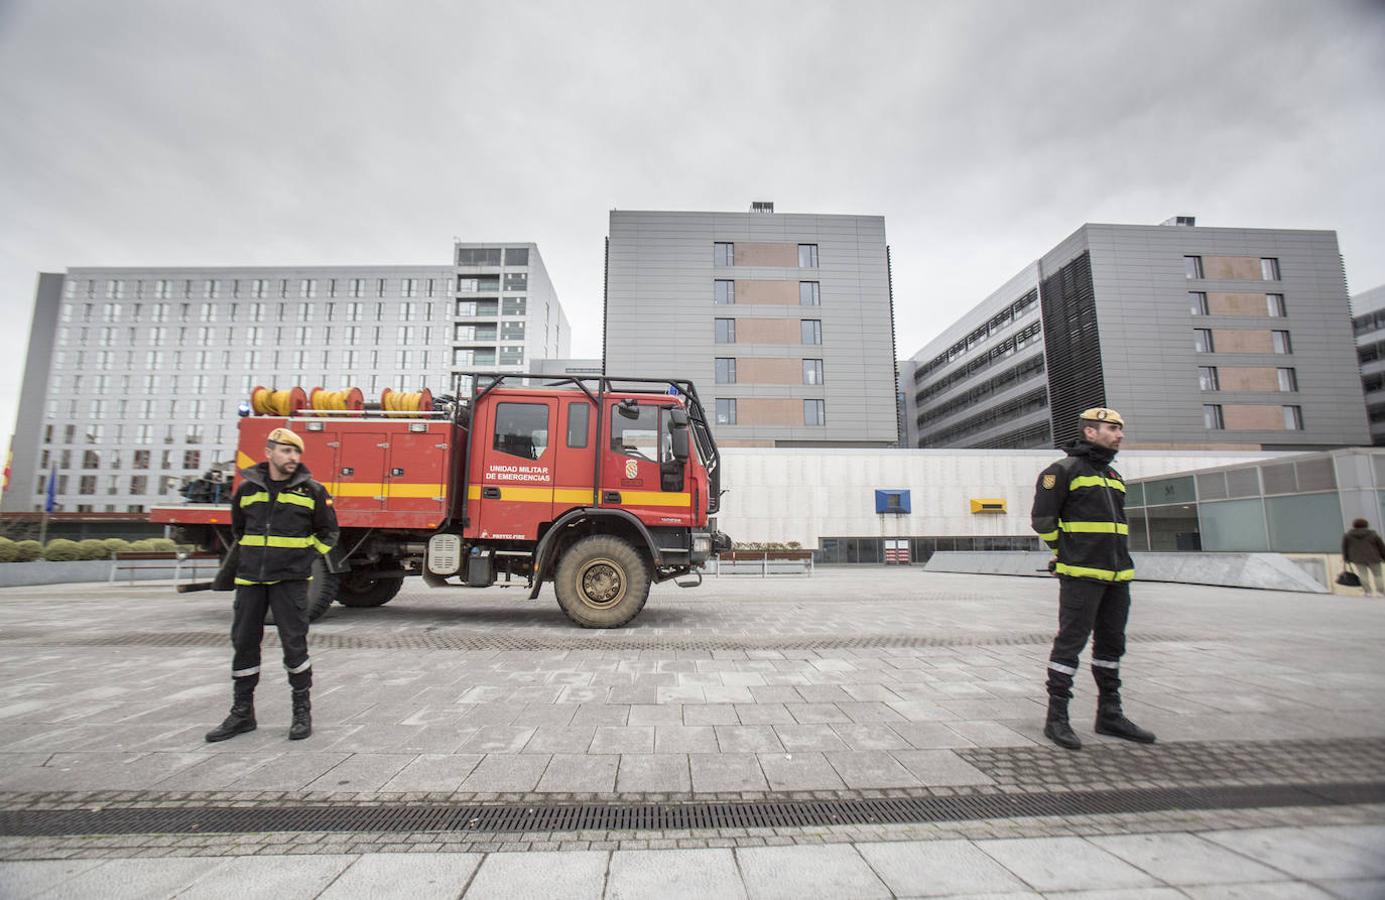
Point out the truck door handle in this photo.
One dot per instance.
(490, 493)
(610, 496)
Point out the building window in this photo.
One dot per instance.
(514, 306)
(814, 412)
(1274, 305)
(809, 293)
(725, 331)
(213, 289)
(1282, 344)
(1269, 269)
(726, 410)
(478, 256)
(408, 287)
(812, 371)
(807, 256)
(516, 281)
(1207, 378)
(1197, 303)
(1212, 418)
(811, 331)
(726, 370)
(723, 254)
(1202, 340)
(724, 291)
(307, 287)
(1192, 266)
(1293, 418)
(1288, 380)
(518, 256)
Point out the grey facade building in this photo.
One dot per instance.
(1214, 338)
(1368, 322)
(784, 321)
(134, 375)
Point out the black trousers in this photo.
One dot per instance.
(289, 601)
(1095, 609)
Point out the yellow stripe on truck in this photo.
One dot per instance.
(582, 495)
(397, 489)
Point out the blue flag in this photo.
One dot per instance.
(51, 500)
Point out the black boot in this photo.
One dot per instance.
(302, 716)
(1111, 720)
(241, 719)
(1056, 727)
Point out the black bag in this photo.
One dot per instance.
(1349, 578)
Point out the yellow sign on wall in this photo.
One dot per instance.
(987, 505)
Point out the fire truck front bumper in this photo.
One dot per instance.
(707, 543)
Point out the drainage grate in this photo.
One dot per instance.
(471, 640)
(480, 818)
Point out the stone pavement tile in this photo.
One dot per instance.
(419, 876)
(618, 739)
(718, 772)
(940, 767)
(869, 712)
(286, 877)
(653, 773)
(506, 772)
(657, 714)
(991, 710)
(434, 772)
(1355, 890)
(929, 735)
(767, 713)
(796, 738)
(1150, 893)
(1064, 864)
(990, 734)
(871, 769)
(1273, 890)
(775, 694)
(816, 713)
(549, 739)
(922, 711)
(870, 737)
(673, 875)
(218, 772)
(440, 738)
(290, 772)
(598, 714)
(498, 739)
(579, 773)
(710, 714)
(362, 772)
(1367, 837)
(1185, 859)
(575, 874)
(727, 694)
(1315, 854)
(576, 694)
(799, 772)
(685, 739)
(548, 715)
(747, 739)
(937, 868)
(136, 879)
(823, 693)
(31, 878)
(679, 693)
(794, 873)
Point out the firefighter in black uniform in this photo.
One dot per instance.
(1079, 512)
(282, 521)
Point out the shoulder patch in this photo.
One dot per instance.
(1049, 481)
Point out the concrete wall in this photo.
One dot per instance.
(99, 570)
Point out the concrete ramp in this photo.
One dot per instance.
(1265, 571)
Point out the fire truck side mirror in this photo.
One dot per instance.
(678, 431)
(629, 408)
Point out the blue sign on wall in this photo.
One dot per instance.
(892, 502)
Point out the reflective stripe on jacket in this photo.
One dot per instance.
(280, 532)
(1079, 512)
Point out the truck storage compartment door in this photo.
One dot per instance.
(515, 488)
(576, 457)
(631, 476)
(360, 475)
(417, 471)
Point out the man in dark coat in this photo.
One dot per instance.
(1079, 512)
(1363, 549)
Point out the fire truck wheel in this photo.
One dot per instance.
(322, 590)
(601, 582)
(366, 591)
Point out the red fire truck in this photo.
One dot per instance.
(600, 485)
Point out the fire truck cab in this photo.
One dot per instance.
(600, 485)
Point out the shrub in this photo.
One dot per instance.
(27, 551)
(62, 550)
(142, 546)
(92, 549)
(115, 545)
(162, 545)
(7, 551)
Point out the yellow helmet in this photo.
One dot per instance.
(1102, 414)
(284, 436)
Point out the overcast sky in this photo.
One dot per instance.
(285, 133)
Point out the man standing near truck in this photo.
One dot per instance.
(1079, 512)
(281, 521)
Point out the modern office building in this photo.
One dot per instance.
(784, 321)
(134, 375)
(1213, 338)
(1368, 322)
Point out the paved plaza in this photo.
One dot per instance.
(862, 732)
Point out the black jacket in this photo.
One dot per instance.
(280, 533)
(1362, 546)
(1079, 511)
